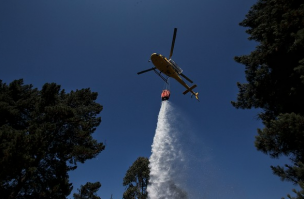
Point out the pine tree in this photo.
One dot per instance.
(275, 75)
(88, 191)
(136, 179)
(43, 134)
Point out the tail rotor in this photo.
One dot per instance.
(196, 95)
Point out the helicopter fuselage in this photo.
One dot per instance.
(168, 67)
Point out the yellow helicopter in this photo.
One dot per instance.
(170, 68)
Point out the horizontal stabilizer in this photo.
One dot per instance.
(190, 89)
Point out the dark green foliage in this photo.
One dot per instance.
(88, 191)
(137, 179)
(275, 70)
(299, 194)
(43, 134)
(275, 75)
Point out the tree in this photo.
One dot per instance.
(88, 191)
(43, 134)
(136, 179)
(275, 75)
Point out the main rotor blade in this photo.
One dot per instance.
(173, 42)
(146, 70)
(189, 80)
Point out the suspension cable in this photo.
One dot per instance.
(167, 84)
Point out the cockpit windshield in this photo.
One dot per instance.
(176, 67)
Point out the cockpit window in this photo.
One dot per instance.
(176, 67)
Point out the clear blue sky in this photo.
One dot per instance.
(102, 44)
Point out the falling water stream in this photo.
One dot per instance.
(181, 164)
(167, 159)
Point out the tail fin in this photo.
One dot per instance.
(196, 96)
(190, 89)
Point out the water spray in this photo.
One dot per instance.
(166, 159)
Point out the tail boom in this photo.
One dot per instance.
(191, 90)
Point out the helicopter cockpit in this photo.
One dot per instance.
(176, 67)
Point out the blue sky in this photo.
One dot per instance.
(102, 44)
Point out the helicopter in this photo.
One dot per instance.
(170, 69)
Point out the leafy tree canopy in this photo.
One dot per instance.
(137, 179)
(43, 134)
(88, 191)
(275, 75)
